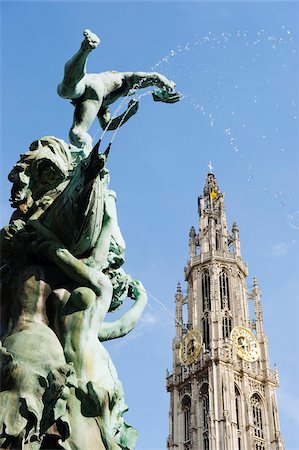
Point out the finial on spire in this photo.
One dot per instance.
(192, 233)
(255, 282)
(178, 288)
(235, 227)
(210, 167)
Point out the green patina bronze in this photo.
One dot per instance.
(62, 256)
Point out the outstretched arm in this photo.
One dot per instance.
(126, 323)
(141, 80)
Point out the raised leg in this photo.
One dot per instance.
(73, 85)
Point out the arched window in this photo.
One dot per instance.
(205, 416)
(238, 407)
(205, 289)
(238, 415)
(186, 404)
(224, 290)
(217, 240)
(226, 326)
(206, 331)
(259, 446)
(256, 405)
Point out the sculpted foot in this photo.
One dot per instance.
(91, 40)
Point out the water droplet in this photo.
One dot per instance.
(293, 220)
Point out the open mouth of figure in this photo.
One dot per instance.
(21, 199)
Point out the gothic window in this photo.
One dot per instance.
(205, 288)
(238, 407)
(206, 331)
(206, 443)
(224, 290)
(217, 240)
(274, 416)
(186, 403)
(226, 326)
(257, 414)
(205, 416)
(259, 446)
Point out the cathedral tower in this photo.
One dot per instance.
(222, 391)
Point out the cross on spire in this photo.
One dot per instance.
(210, 167)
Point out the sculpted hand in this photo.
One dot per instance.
(136, 289)
(166, 97)
(166, 93)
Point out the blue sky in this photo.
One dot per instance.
(236, 64)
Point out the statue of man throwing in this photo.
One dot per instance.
(92, 94)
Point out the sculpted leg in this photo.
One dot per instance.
(85, 113)
(73, 84)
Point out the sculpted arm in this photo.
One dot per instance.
(83, 272)
(105, 120)
(141, 80)
(126, 323)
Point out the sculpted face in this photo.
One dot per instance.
(38, 171)
(20, 178)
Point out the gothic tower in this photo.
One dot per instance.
(222, 390)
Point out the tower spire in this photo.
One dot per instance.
(178, 310)
(222, 390)
(214, 235)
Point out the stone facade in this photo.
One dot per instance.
(220, 401)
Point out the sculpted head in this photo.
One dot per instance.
(41, 169)
(120, 283)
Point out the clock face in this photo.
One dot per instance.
(246, 344)
(190, 347)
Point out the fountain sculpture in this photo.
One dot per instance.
(62, 256)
